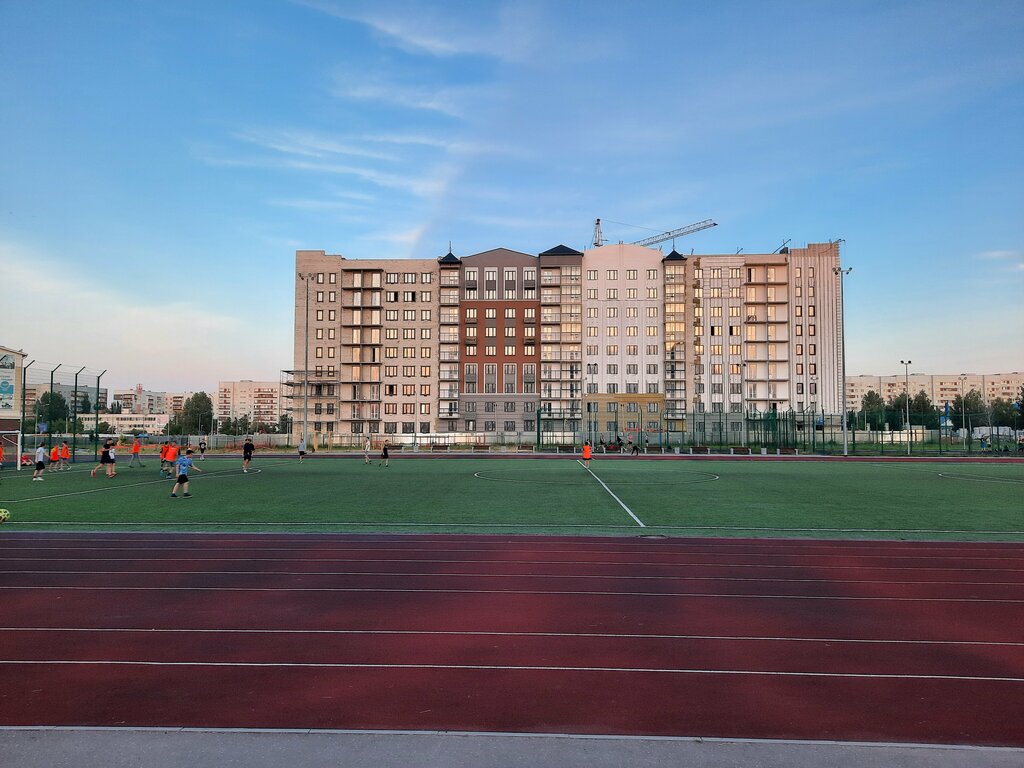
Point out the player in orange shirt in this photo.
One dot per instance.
(65, 455)
(54, 458)
(586, 454)
(136, 453)
(163, 457)
(171, 457)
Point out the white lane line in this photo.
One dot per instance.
(621, 503)
(695, 547)
(621, 563)
(507, 668)
(469, 633)
(459, 575)
(559, 592)
(434, 550)
(119, 486)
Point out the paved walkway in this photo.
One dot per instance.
(170, 748)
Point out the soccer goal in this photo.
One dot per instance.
(10, 443)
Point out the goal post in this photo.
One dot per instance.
(11, 443)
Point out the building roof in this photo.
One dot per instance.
(449, 258)
(561, 250)
(674, 256)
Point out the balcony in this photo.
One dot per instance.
(448, 338)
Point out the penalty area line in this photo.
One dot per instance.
(621, 503)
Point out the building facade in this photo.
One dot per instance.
(940, 388)
(258, 401)
(617, 339)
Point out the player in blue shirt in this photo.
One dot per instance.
(183, 464)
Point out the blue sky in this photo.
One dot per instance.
(162, 161)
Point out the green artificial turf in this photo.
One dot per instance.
(971, 501)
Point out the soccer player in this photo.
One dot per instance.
(302, 450)
(37, 474)
(136, 453)
(54, 458)
(202, 450)
(384, 455)
(247, 449)
(65, 455)
(366, 450)
(104, 464)
(163, 457)
(586, 454)
(172, 456)
(183, 464)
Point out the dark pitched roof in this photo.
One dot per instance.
(450, 258)
(561, 250)
(674, 256)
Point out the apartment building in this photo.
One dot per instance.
(940, 388)
(259, 401)
(619, 338)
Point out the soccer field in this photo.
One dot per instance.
(619, 496)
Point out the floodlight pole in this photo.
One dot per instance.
(906, 374)
(842, 342)
(963, 407)
(74, 414)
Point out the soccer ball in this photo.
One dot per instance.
(4, 515)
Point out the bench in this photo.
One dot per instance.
(439, 447)
(740, 450)
(656, 449)
(482, 447)
(699, 449)
(788, 452)
(525, 448)
(565, 449)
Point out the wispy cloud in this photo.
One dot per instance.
(306, 144)
(453, 101)
(514, 33)
(1001, 255)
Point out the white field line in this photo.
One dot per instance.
(589, 593)
(621, 503)
(457, 575)
(119, 486)
(572, 635)
(507, 668)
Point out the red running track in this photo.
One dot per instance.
(848, 641)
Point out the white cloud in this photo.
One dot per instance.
(306, 144)
(138, 335)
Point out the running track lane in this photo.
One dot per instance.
(800, 645)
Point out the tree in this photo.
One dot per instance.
(196, 416)
(1003, 412)
(975, 410)
(897, 408)
(86, 405)
(52, 408)
(873, 408)
(115, 407)
(922, 411)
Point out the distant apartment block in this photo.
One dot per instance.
(613, 339)
(940, 388)
(259, 401)
(139, 400)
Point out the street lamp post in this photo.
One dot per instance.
(306, 278)
(906, 378)
(842, 342)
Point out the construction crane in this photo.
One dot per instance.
(688, 230)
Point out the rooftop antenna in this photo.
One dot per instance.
(785, 242)
(739, 251)
(598, 238)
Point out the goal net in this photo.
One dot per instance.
(10, 449)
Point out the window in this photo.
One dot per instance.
(631, 293)
(613, 294)
(614, 311)
(426, 278)
(631, 274)
(613, 274)
(810, 330)
(591, 274)
(652, 274)
(652, 293)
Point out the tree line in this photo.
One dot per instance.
(1000, 412)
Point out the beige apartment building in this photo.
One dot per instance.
(629, 340)
(259, 401)
(940, 388)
